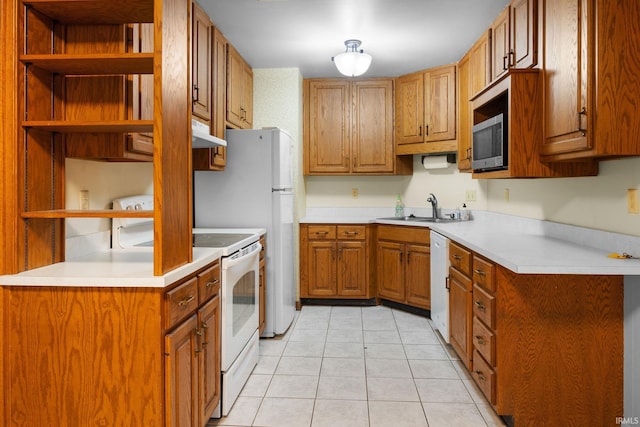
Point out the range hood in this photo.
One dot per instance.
(201, 138)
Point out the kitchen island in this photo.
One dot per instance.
(101, 341)
(540, 315)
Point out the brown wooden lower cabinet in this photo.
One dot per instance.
(544, 349)
(81, 356)
(335, 261)
(404, 265)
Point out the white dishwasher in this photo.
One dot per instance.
(439, 283)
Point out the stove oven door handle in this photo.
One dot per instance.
(232, 262)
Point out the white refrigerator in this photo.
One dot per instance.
(255, 190)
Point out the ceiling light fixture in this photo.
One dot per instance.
(352, 62)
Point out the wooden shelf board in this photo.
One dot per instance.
(95, 11)
(77, 126)
(85, 64)
(107, 213)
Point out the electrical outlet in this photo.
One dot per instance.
(632, 201)
(506, 194)
(84, 200)
(354, 193)
(470, 196)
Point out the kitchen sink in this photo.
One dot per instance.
(420, 219)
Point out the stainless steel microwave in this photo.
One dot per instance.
(490, 147)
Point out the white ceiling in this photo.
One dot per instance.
(401, 35)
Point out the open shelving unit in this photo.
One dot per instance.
(73, 69)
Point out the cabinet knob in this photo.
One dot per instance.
(480, 306)
(480, 375)
(480, 340)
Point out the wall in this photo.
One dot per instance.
(595, 202)
(105, 182)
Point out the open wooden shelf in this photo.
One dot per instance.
(106, 213)
(91, 64)
(95, 11)
(76, 126)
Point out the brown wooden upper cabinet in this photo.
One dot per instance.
(514, 41)
(201, 64)
(474, 73)
(239, 91)
(348, 128)
(426, 111)
(215, 158)
(591, 79)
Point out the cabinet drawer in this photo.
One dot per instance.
(484, 340)
(484, 273)
(321, 232)
(484, 306)
(484, 376)
(464, 281)
(209, 282)
(181, 302)
(460, 258)
(352, 232)
(402, 233)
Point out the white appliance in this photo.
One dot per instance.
(255, 190)
(440, 283)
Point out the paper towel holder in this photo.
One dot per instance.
(451, 157)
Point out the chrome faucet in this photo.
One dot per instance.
(434, 205)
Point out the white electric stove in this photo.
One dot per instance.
(239, 289)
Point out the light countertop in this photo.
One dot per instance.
(112, 268)
(523, 245)
(119, 268)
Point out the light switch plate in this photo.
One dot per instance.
(632, 201)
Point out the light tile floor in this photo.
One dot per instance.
(359, 366)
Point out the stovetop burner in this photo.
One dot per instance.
(217, 240)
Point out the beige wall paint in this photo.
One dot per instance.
(598, 202)
(105, 182)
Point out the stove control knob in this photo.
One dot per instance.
(138, 206)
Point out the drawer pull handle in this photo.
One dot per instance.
(457, 257)
(212, 283)
(321, 233)
(479, 272)
(204, 325)
(351, 233)
(480, 340)
(480, 306)
(480, 375)
(186, 300)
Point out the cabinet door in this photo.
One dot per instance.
(352, 269)
(247, 96)
(322, 268)
(235, 83)
(182, 375)
(440, 110)
(500, 48)
(263, 294)
(523, 32)
(465, 118)
(201, 64)
(410, 109)
(567, 114)
(460, 310)
(391, 259)
(418, 278)
(141, 92)
(329, 129)
(372, 136)
(209, 359)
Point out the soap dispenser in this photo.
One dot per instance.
(399, 207)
